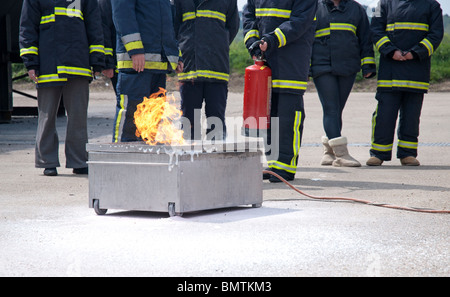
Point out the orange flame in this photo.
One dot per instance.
(154, 119)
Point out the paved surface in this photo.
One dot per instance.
(47, 228)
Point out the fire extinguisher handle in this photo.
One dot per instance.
(255, 45)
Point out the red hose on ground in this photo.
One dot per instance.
(356, 200)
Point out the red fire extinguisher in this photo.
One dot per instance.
(257, 97)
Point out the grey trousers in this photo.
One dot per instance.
(75, 94)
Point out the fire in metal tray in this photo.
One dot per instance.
(157, 119)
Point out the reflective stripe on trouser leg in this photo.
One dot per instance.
(291, 115)
(384, 120)
(408, 126)
(121, 110)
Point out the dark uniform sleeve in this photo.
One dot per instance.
(233, 20)
(29, 34)
(379, 35)
(94, 31)
(364, 34)
(124, 16)
(302, 15)
(108, 32)
(430, 43)
(250, 26)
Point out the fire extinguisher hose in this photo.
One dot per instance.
(416, 209)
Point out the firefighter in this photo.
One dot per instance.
(60, 43)
(205, 30)
(406, 33)
(146, 51)
(342, 48)
(109, 34)
(287, 30)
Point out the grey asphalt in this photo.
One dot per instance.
(48, 229)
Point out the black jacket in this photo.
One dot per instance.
(343, 43)
(109, 33)
(406, 25)
(204, 34)
(145, 27)
(288, 27)
(61, 39)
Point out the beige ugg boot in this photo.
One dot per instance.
(328, 154)
(343, 158)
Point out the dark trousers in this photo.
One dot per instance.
(132, 87)
(287, 119)
(214, 94)
(75, 94)
(333, 93)
(406, 106)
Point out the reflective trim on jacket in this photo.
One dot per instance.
(204, 35)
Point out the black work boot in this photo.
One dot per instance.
(283, 174)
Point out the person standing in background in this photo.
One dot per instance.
(286, 28)
(406, 33)
(109, 34)
(146, 51)
(205, 30)
(61, 42)
(342, 48)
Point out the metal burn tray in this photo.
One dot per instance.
(174, 179)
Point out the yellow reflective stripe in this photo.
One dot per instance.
(289, 84)
(119, 118)
(367, 60)
(69, 12)
(403, 84)
(250, 34)
(148, 65)
(50, 78)
(211, 14)
(322, 32)
(188, 16)
(281, 37)
(29, 51)
(428, 45)
(381, 147)
(204, 74)
(273, 12)
(47, 19)
(109, 51)
(408, 144)
(382, 41)
(343, 26)
(134, 45)
(374, 123)
(407, 26)
(74, 70)
(297, 137)
(282, 166)
(97, 48)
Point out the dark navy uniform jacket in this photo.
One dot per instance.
(288, 26)
(406, 25)
(205, 32)
(145, 27)
(61, 39)
(343, 43)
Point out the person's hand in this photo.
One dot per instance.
(109, 73)
(138, 62)
(398, 56)
(408, 56)
(180, 67)
(367, 75)
(32, 75)
(263, 46)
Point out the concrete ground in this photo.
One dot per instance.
(48, 229)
